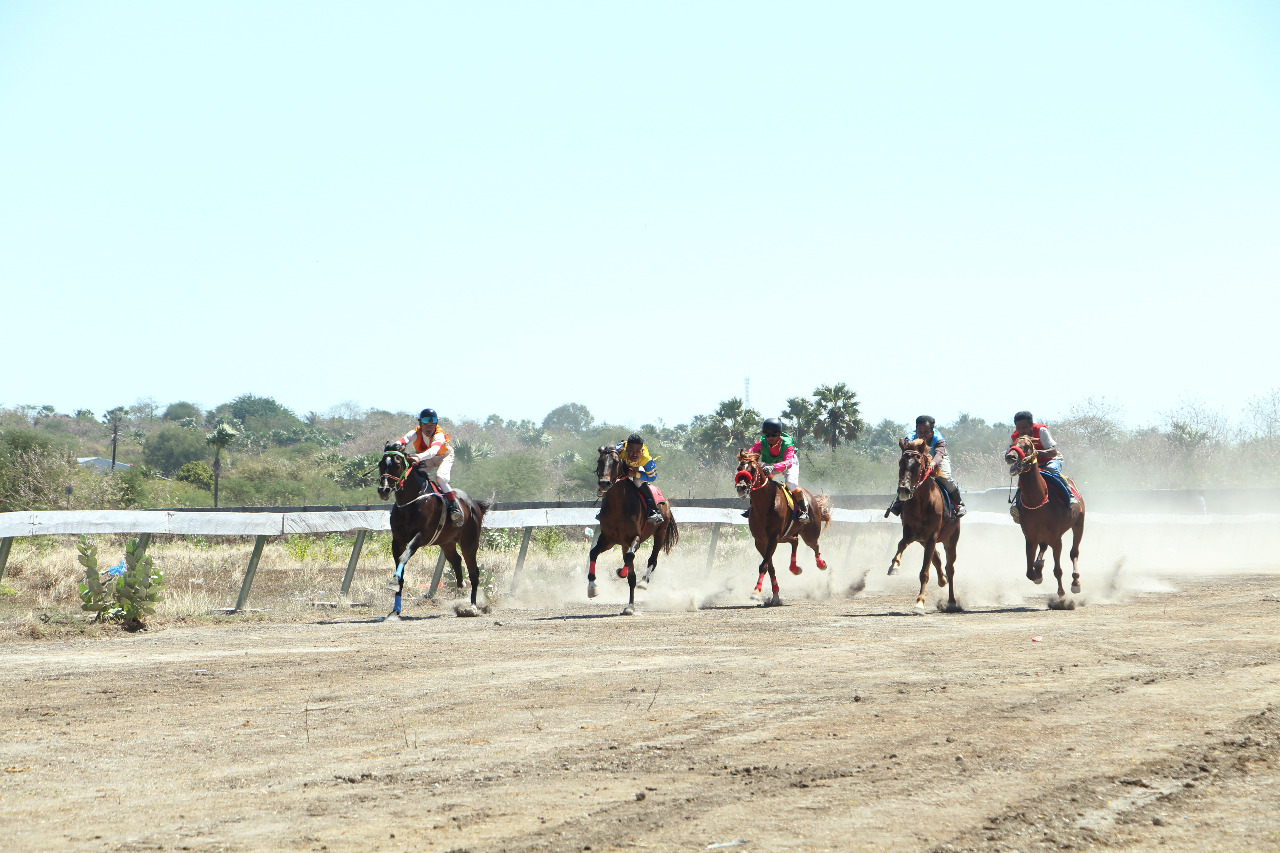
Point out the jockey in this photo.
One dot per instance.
(642, 469)
(434, 458)
(778, 453)
(1048, 457)
(937, 447)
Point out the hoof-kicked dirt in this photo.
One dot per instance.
(1151, 723)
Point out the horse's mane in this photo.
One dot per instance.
(747, 456)
(917, 445)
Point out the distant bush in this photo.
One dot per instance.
(173, 447)
(182, 409)
(198, 474)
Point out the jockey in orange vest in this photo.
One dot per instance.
(1048, 457)
(433, 457)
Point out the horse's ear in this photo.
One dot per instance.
(902, 443)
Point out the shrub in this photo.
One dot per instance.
(182, 410)
(172, 447)
(198, 474)
(131, 596)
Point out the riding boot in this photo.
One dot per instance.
(802, 511)
(895, 508)
(455, 512)
(746, 513)
(655, 516)
(954, 491)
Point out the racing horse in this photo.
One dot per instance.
(419, 518)
(772, 520)
(924, 520)
(1044, 521)
(624, 521)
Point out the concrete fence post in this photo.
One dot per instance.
(715, 540)
(5, 545)
(351, 563)
(435, 578)
(249, 573)
(524, 549)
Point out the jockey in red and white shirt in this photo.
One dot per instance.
(433, 457)
(1048, 457)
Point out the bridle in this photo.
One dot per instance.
(928, 470)
(606, 467)
(751, 473)
(1026, 462)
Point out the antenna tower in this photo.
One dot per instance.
(747, 393)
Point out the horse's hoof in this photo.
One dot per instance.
(795, 570)
(1075, 587)
(756, 596)
(821, 564)
(1037, 578)
(622, 572)
(393, 616)
(592, 592)
(467, 609)
(952, 607)
(628, 611)
(648, 576)
(893, 570)
(1061, 602)
(918, 609)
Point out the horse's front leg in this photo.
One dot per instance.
(603, 544)
(629, 558)
(930, 554)
(630, 609)
(1057, 566)
(896, 562)
(1034, 572)
(397, 581)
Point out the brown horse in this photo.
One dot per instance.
(772, 520)
(624, 521)
(924, 520)
(419, 518)
(1043, 521)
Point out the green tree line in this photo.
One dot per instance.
(254, 451)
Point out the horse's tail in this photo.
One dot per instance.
(483, 507)
(673, 535)
(822, 509)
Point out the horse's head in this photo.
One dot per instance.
(393, 469)
(607, 468)
(1021, 455)
(913, 467)
(748, 473)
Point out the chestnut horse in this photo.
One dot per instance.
(772, 520)
(419, 519)
(624, 520)
(1043, 521)
(924, 520)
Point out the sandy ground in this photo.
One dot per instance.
(1146, 718)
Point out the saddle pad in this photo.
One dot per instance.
(658, 497)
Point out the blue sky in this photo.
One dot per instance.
(505, 207)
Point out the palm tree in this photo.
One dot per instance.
(800, 418)
(837, 414)
(731, 425)
(221, 436)
(114, 419)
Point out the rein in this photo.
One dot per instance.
(1027, 463)
(753, 476)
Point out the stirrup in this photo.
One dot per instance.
(961, 509)
(746, 513)
(655, 517)
(455, 514)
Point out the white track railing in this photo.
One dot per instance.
(147, 523)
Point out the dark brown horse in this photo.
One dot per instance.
(924, 520)
(419, 518)
(624, 521)
(772, 520)
(1043, 521)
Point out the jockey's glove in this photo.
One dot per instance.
(768, 469)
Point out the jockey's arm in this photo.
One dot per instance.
(787, 461)
(1043, 456)
(938, 452)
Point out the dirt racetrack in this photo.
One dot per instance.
(1146, 719)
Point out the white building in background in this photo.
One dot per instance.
(102, 466)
